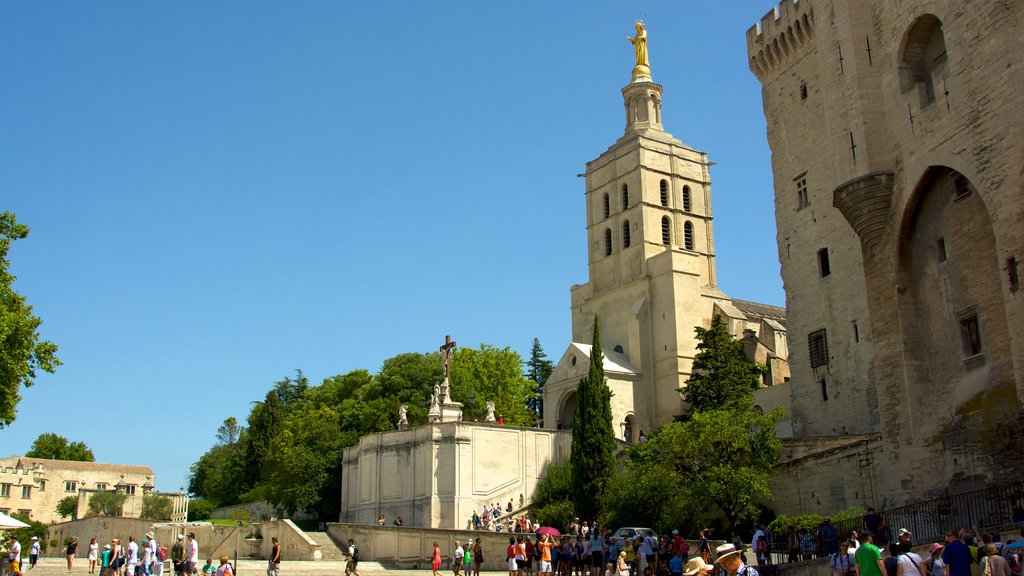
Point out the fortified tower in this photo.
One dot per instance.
(895, 130)
(650, 244)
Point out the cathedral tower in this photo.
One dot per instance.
(650, 245)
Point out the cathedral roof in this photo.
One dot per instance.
(758, 310)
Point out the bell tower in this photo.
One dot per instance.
(651, 254)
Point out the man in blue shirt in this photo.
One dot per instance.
(956, 556)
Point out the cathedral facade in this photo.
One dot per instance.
(651, 251)
(896, 137)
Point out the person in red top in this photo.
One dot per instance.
(435, 561)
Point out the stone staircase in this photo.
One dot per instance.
(329, 550)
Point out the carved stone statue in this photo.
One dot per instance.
(639, 42)
(403, 417)
(490, 412)
(442, 396)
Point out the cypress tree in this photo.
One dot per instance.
(593, 438)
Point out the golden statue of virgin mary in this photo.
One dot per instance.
(643, 65)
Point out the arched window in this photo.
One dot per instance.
(923, 57)
(666, 231)
(607, 206)
(688, 235)
(687, 202)
(625, 234)
(607, 241)
(664, 192)
(625, 196)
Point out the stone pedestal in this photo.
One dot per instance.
(451, 412)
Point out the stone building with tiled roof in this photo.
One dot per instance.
(33, 486)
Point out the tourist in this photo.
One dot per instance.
(435, 560)
(105, 559)
(33, 552)
(398, 521)
(132, 557)
(178, 555)
(843, 562)
(467, 558)
(869, 557)
(829, 536)
(14, 558)
(1017, 507)
(675, 565)
(874, 522)
(208, 568)
(478, 556)
(993, 564)
(274, 565)
(728, 557)
(934, 566)
(510, 553)
(352, 557)
(381, 520)
(522, 501)
(457, 558)
(545, 545)
(854, 541)
(156, 564)
(909, 562)
(957, 557)
(696, 567)
(596, 551)
(761, 551)
(523, 553)
(92, 555)
(792, 544)
(904, 536)
(69, 552)
(623, 568)
(192, 554)
(225, 568)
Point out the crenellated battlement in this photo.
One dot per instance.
(778, 35)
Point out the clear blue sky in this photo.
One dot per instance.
(223, 192)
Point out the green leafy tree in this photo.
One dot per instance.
(37, 529)
(593, 439)
(157, 507)
(722, 458)
(199, 509)
(304, 467)
(22, 353)
(722, 377)
(219, 475)
(229, 432)
(651, 494)
(106, 504)
(553, 502)
(264, 423)
(495, 374)
(55, 447)
(67, 507)
(538, 370)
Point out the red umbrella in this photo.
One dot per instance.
(548, 530)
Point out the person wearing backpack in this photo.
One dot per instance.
(352, 566)
(935, 566)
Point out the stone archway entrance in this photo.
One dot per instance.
(567, 410)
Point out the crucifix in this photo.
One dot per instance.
(446, 356)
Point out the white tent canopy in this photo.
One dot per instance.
(8, 523)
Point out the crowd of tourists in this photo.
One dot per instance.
(116, 558)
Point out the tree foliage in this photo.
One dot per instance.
(22, 352)
(494, 374)
(55, 447)
(593, 439)
(24, 535)
(157, 507)
(106, 504)
(229, 432)
(67, 507)
(552, 501)
(538, 370)
(722, 376)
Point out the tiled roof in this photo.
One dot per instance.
(759, 310)
(28, 463)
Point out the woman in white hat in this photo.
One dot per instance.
(696, 566)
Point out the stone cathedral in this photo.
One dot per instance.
(651, 251)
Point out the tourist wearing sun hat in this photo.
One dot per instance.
(728, 557)
(935, 566)
(33, 552)
(696, 566)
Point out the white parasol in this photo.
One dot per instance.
(8, 523)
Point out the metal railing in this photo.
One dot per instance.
(989, 509)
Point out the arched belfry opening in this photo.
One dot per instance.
(923, 57)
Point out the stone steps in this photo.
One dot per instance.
(329, 550)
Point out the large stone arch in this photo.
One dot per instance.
(566, 409)
(948, 289)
